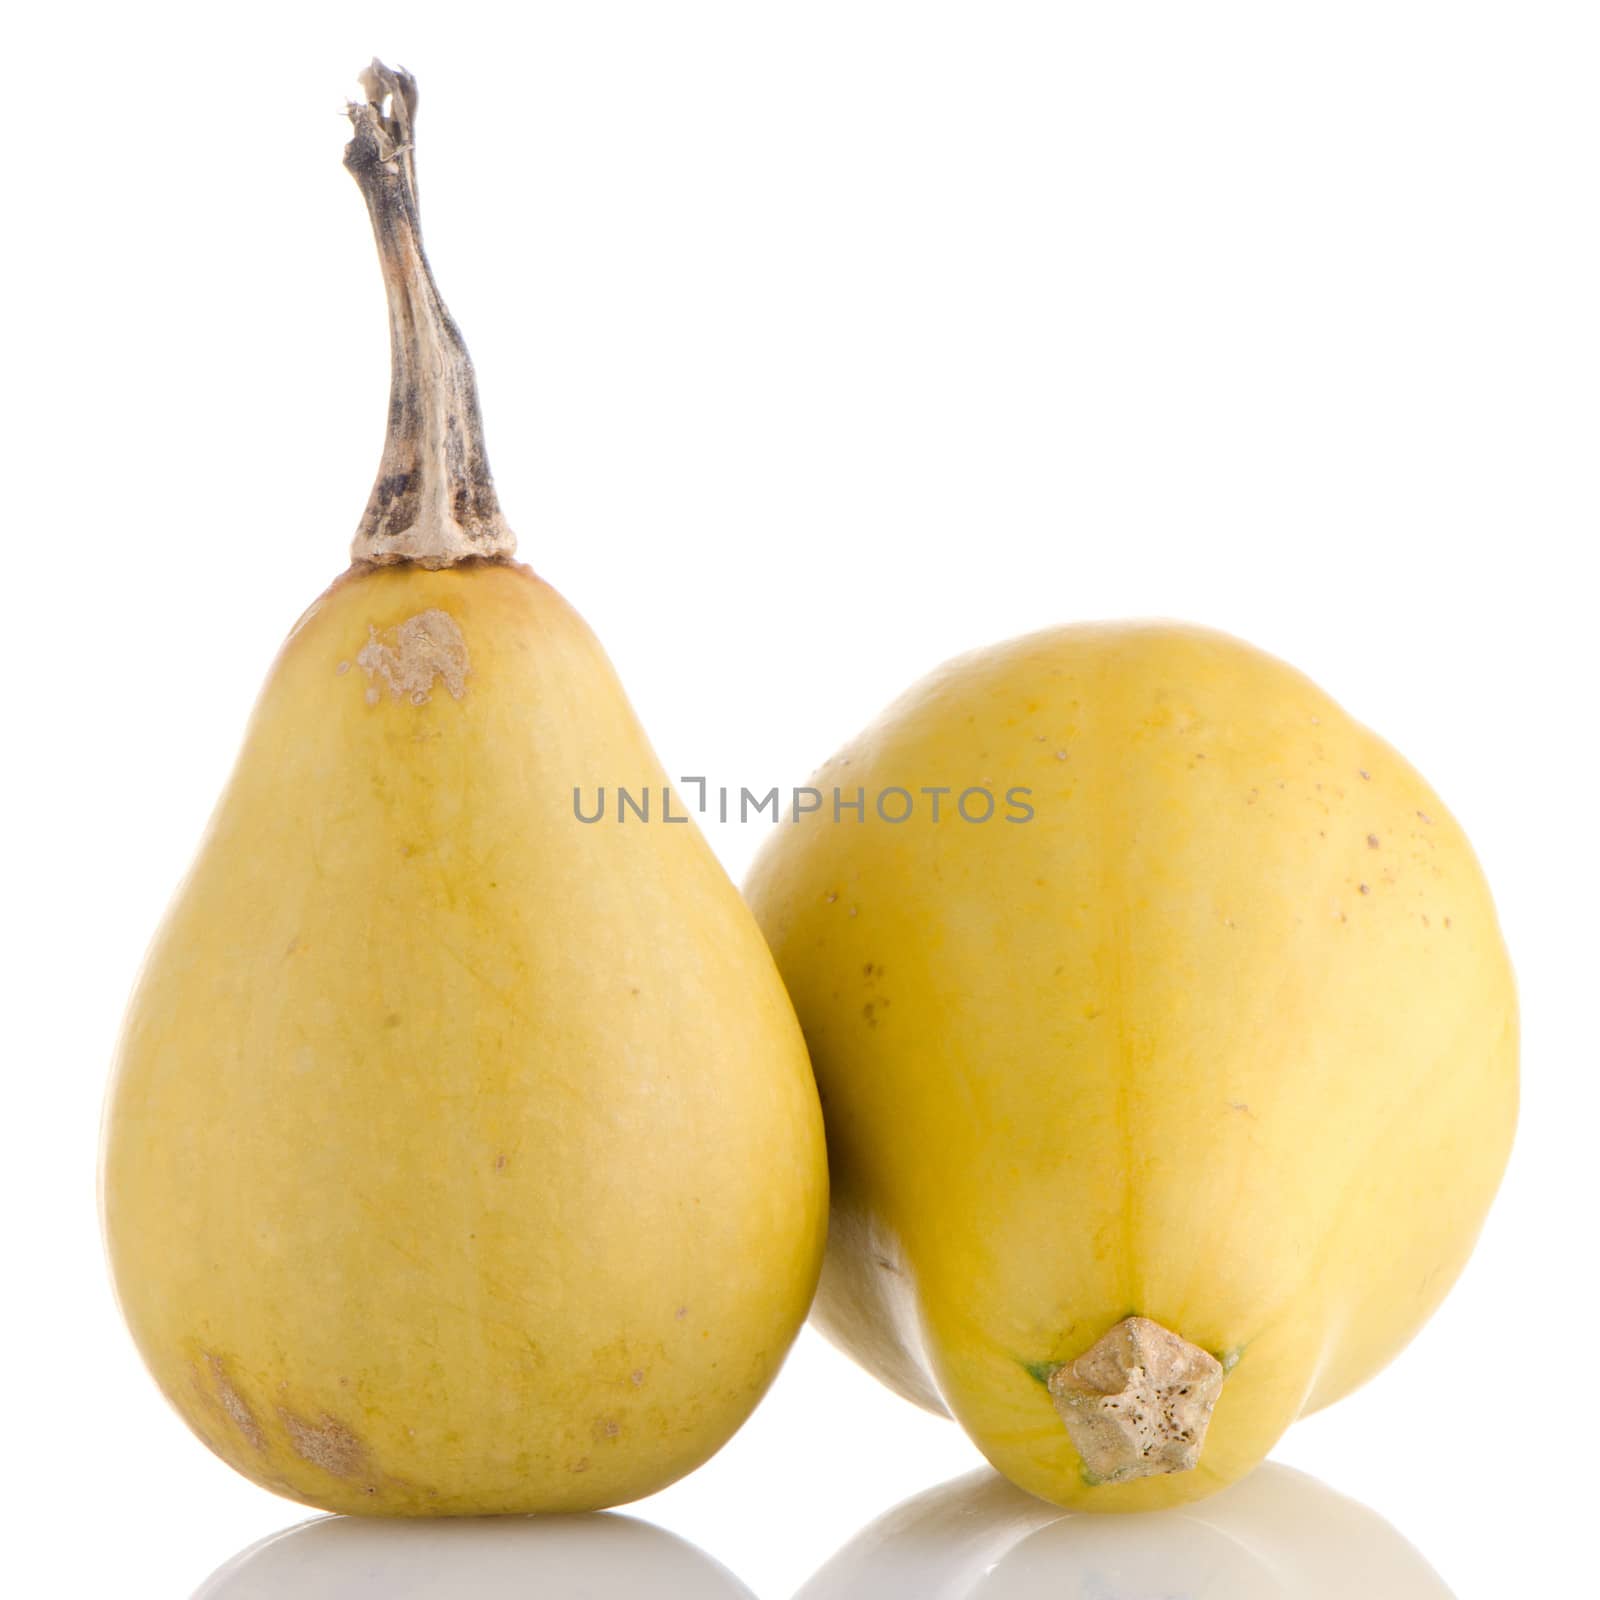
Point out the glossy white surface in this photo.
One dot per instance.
(512, 1558)
(1279, 1535)
(817, 343)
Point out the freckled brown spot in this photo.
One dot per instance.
(1372, 841)
(234, 1404)
(500, 1162)
(326, 1443)
(581, 1464)
(1364, 773)
(636, 1377)
(1425, 817)
(867, 1015)
(1363, 888)
(681, 1313)
(606, 1427)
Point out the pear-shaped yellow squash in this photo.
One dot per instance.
(461, 1156)
(1168, 1075)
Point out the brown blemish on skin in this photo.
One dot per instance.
(581, 1464)
(680, 1313)
(234, 1404)
(606, 1427)
(636, 1377)
(326, 1443)
(1363, 888)
(408, 658)
(500, 1162)
(1372, 841)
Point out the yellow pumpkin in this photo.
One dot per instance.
(1166, 1100)
(461, 1155)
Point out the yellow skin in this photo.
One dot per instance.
(460, 1157)
(1225, 1037)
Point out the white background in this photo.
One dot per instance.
(816, 343)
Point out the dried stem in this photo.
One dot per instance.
(434, 501)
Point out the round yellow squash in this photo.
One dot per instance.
(1166, 1100)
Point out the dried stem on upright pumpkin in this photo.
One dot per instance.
(433, 502)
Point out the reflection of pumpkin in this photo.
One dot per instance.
(1191, 1089)
(1278, 1535)
(501, 1558)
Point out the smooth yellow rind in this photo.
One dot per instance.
(1224, 1037)
(460, 1157)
